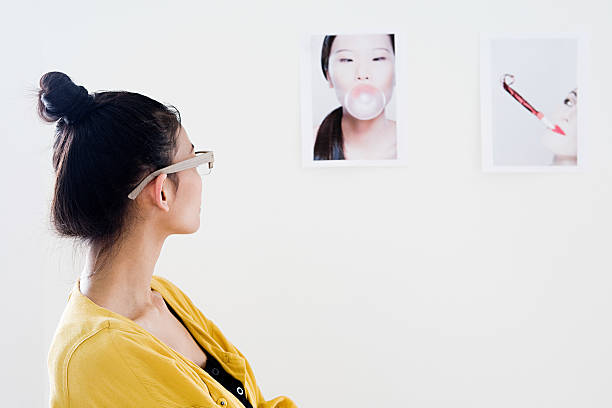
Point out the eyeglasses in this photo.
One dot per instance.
(201, 158)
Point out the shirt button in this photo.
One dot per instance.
(222, 402)
(215, 371)
(240, 391)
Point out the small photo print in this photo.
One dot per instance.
(349, 99)
(532, 102)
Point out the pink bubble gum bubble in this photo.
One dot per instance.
(364, 102)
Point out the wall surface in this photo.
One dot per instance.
(430, 285)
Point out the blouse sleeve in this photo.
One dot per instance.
(116, 368)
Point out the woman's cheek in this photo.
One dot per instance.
(343, 74)
(341, 85)
(385, 80)
(383, 73)
(562, 144)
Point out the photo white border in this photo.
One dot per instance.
(306, 102)
(486, 123)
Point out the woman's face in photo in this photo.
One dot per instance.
(565, 117)
(357, 59)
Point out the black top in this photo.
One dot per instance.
(213, 367)
(233, 385)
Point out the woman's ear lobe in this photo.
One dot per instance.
(161, 198)
(329, 80)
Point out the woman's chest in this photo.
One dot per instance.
(172, 333)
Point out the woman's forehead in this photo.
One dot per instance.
(360, 42)
(183, 142)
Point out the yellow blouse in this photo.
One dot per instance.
(99, 358)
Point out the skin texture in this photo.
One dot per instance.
(367, 59)
(123, 285)
(563, 147)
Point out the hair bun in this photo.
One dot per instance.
(60, 98)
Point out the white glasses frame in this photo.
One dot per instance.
(201, 158)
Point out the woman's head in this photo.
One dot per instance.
(565, 116)
(105, 144)
(350, 60)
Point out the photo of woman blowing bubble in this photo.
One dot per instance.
(361, 71)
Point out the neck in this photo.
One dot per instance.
(362, 132)
(123, 282)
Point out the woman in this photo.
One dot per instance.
(126, 179)
(358, 130)
(564, 147)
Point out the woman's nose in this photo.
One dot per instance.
(362, 72)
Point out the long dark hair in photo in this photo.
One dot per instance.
(329, 144)
(105, 143)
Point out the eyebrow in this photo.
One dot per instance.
(379, 48)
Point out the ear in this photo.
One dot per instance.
(329, 80)
(160, 196)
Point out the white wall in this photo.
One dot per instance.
(433, 285)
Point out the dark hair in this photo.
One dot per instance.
(329, 142)
(105, 144)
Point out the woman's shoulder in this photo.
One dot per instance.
(79, 354)
(172, 292)
(87, 331)
(116, 366)
(81, 319)
(95, 346)
(89, 343)
(165, 282)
